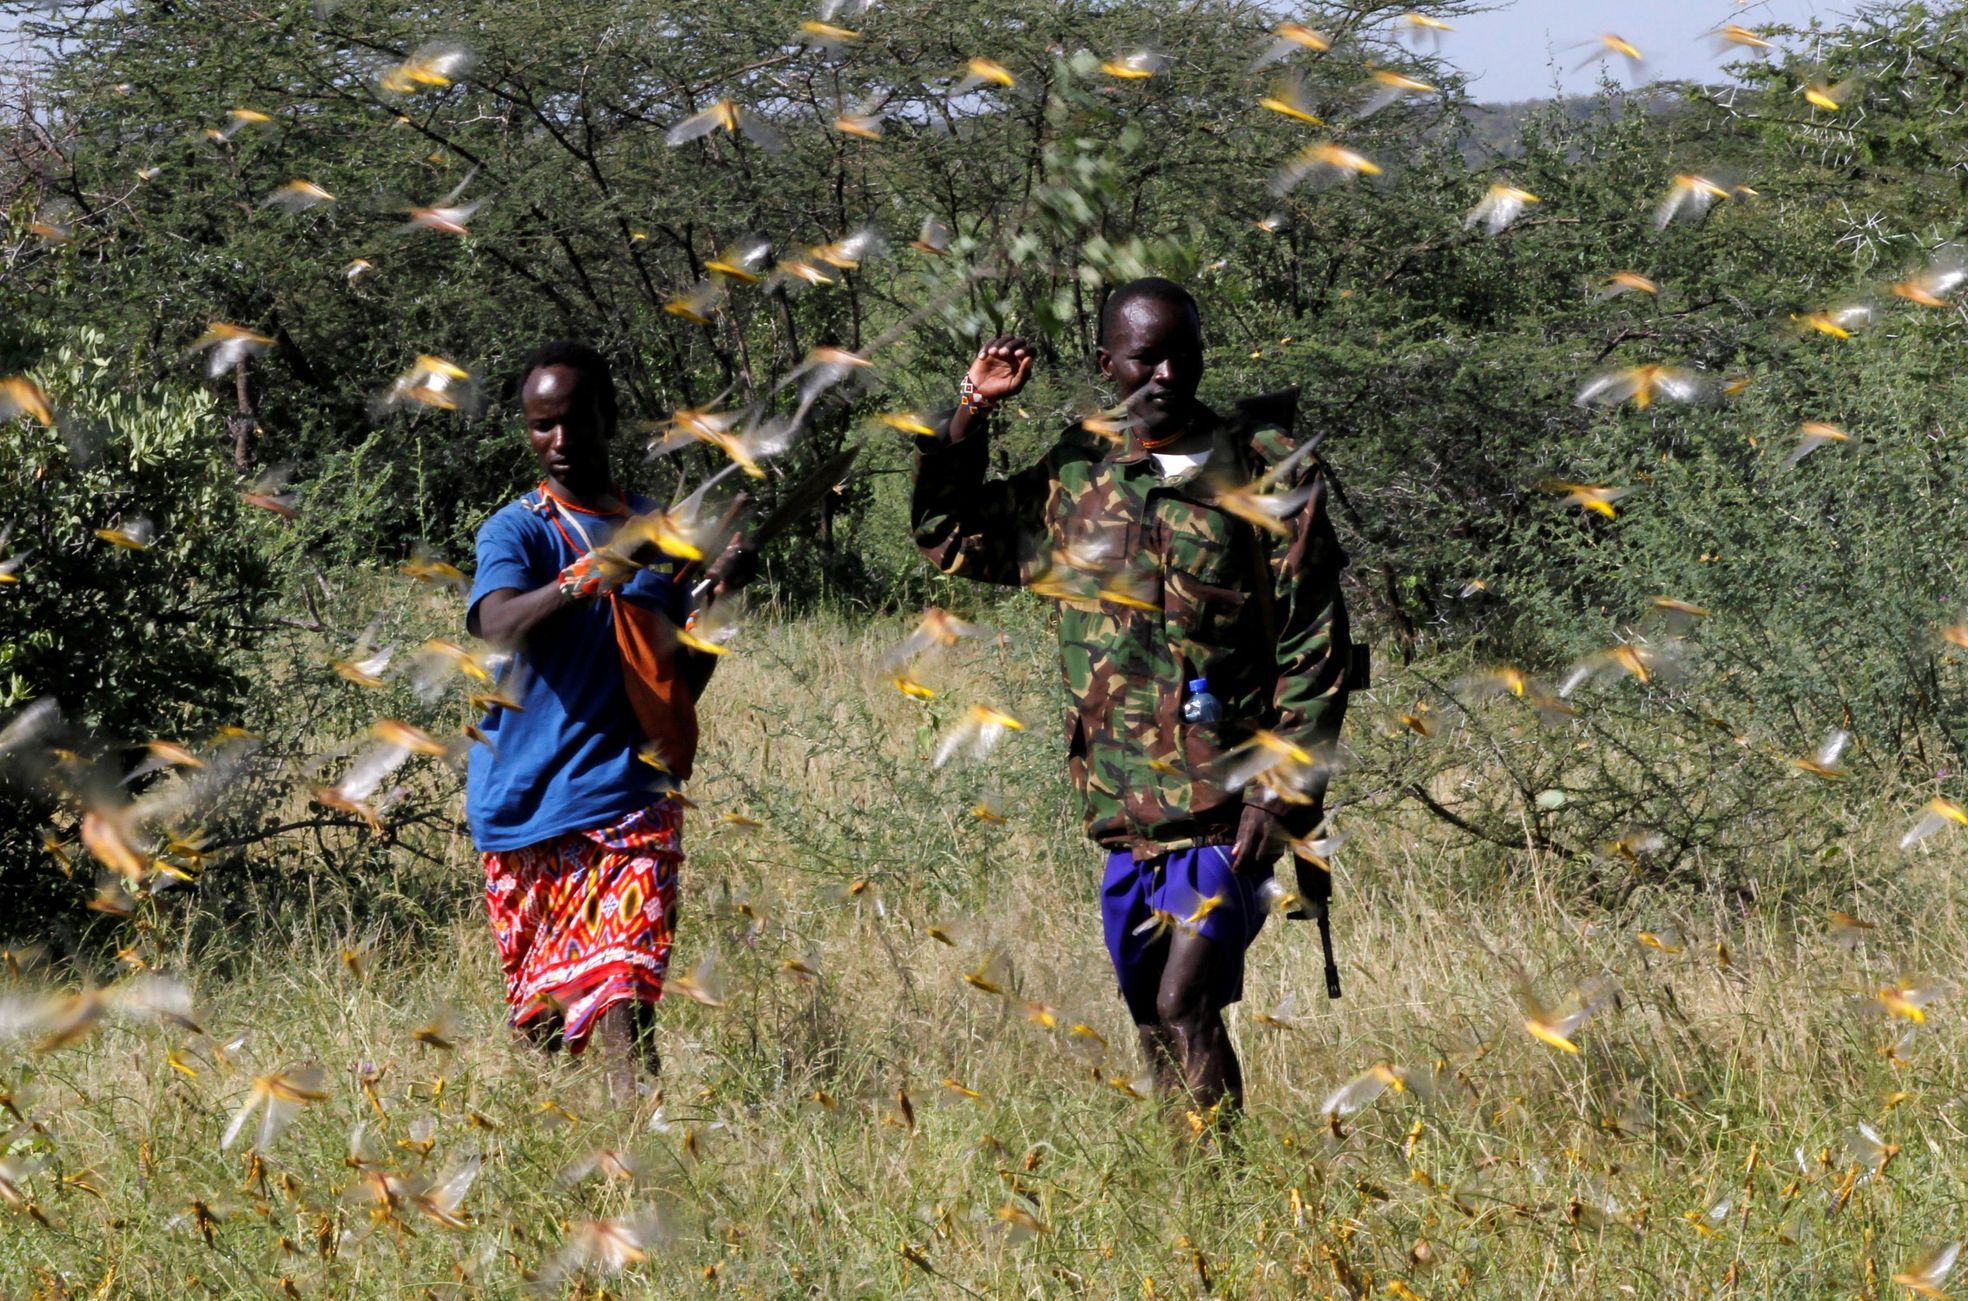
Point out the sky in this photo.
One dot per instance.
(1514, 52)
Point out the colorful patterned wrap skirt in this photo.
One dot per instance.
(584, 921)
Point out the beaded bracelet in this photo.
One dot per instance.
(969, 400)
(579, 581)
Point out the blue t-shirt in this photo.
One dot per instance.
(567, 760)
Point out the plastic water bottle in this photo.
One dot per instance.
(1200, 706)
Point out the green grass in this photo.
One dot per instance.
(1705, 1083)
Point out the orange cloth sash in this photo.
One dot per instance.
(646, 642)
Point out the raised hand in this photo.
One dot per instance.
(1002, 368)
(735, 566)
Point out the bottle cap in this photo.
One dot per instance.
(1197, 686)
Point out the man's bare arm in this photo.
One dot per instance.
(508, 616)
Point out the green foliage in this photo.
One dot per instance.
(591, 225)
(133, 644)
(1439, 362)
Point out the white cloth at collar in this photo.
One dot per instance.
(1175, 464)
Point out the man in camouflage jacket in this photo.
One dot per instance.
(1193, 560)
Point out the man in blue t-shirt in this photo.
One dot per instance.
(571, 801)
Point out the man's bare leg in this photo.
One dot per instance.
(1192, 1011)
(543, 1032)
(1158, 1047)
(615, 1035)
(645, 1038)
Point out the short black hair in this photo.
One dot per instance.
(1152, 289)
(597, 382)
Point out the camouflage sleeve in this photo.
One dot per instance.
(1314, 646)
(967, 525)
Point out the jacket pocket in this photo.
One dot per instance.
(1203, 612)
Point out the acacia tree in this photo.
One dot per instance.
(592, 224)
(1440, 359)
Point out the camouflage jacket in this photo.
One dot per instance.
(1158, 585)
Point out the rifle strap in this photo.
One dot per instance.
(1323, 911)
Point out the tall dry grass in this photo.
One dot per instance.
(1697, 1143)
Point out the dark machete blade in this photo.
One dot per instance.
(803, 498)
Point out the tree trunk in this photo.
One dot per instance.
(243, 425)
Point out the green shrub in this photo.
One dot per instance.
(134, 645)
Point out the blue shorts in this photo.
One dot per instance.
(1176, 883)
